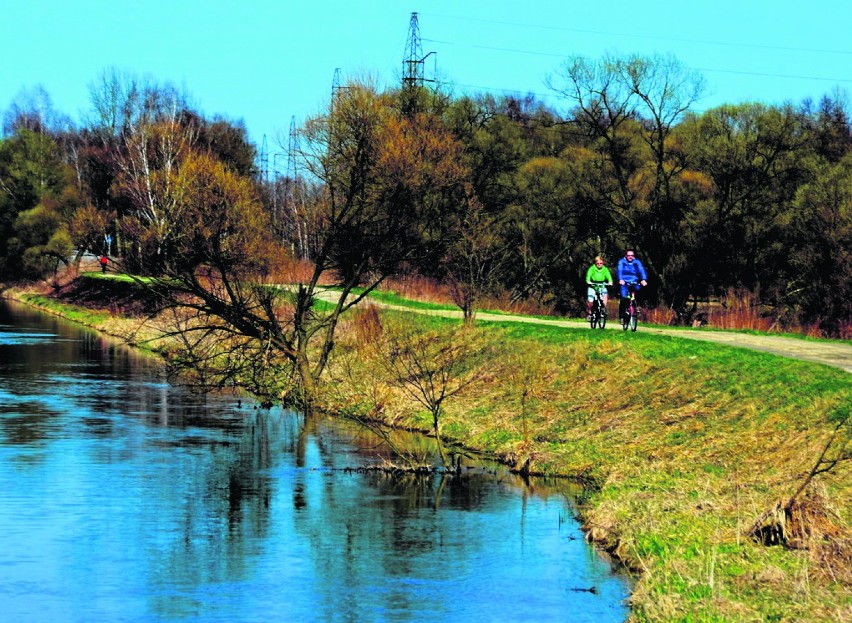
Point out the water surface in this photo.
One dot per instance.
(124, 498)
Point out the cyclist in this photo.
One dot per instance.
(596, 275)
(630, 270)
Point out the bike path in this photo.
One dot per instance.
(834, 354)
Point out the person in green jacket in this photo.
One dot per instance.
(597, 274)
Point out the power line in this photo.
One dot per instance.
(769, 75)
(729, 71)
(558, 96)
(635, 36)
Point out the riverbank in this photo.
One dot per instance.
(683, 445)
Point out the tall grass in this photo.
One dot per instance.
(419, 288)
(739, 310)
(291, 270)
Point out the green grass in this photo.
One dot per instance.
(116, 277)
(81, 315)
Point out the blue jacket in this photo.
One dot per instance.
(631, 271)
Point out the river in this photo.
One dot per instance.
(126, 498)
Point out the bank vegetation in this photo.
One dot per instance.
(719, 476)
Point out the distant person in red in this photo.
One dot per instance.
(104, 260)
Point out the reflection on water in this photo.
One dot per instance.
(123, 498)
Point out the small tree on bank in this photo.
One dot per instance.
(433, 367)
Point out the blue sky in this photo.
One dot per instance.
(267, 61)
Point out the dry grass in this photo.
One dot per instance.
(419, 288)
(291, 270)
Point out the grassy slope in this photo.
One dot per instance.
(686, 444)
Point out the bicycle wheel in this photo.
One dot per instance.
(634, 318)
(625, 320)
(593, 317)
(601, 317)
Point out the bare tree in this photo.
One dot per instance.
(434, 366)
(475, 258)
(33, 110)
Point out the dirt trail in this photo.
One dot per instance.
(835, 354)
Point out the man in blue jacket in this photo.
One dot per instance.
(630, 270)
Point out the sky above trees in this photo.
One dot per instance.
(268, 61)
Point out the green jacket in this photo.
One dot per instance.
(598, 275)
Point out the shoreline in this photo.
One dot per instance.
(628, 462)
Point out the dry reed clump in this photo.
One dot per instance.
(656, 315)
(419, 288)
(812, 518)
(367, 326)
(291, 270)
(503, 302)
(739, 310)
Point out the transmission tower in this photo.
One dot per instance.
(336, 88)
(335, 85)
(294, 208)
(413, 65)
(292, 149)
(264, 162)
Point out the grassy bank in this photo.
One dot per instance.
(682, 444)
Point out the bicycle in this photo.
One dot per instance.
(598, 316)
(631, 314)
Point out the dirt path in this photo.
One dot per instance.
(835, 354)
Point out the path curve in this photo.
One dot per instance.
(834, 354)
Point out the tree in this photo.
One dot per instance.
(232, 324)
(475, 258)
(628, 108)
(387, 179)
(384, 177)
(152, 153)
(604, 113)
(666, 89)
(820, 246)
(755, 157)
(831, 129)
(542, 230)
(228, 141)
(35, 203)
(115, 98)
(32, 110)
